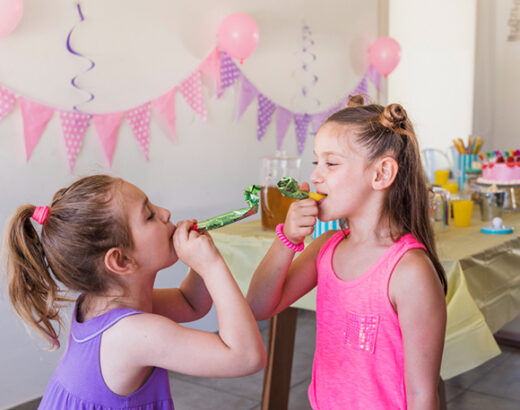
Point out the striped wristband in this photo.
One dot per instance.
(287, 242)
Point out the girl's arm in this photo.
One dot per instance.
(278, 281)
(157, 341)
(189, 302)
(419, 300)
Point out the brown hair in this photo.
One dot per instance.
(388, 131)
(83, 223)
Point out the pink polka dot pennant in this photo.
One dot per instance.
(139, 119)
(74, 126)
(7, 102)
(191, 89)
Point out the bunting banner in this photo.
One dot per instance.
(230, 73)
(107, 128)
(218, 67)
(34, 118)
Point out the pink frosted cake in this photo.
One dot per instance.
(502, 172)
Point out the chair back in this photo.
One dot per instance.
(434, 159)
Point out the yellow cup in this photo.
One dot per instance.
(451, 188)
(462, 210)
(441, 176)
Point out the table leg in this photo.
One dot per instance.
(277, 375)
(442, 395)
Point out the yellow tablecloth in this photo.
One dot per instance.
(483, 283)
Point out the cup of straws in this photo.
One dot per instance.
(466, 155)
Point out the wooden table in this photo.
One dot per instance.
(483, 295)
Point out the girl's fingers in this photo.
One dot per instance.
(305, 187)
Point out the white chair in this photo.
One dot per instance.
(433, 159)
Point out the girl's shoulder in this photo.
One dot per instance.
(415, 276)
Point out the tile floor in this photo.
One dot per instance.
(495, 385)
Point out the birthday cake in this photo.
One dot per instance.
(501, 171)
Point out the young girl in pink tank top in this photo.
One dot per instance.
(380, 305)
(102, 238)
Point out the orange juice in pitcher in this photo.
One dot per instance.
(273, 204)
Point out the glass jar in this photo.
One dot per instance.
(273, 204)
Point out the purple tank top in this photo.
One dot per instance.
(77, 382)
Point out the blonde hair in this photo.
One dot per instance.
(84, 222)
(388, 131)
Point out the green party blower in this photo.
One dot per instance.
(251, 195)
(289, 187)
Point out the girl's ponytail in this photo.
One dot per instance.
(33, 291)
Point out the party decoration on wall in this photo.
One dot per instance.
(165, 107)
(107, 128)
(11, 12)
(218, 67)
(35, 118)
(238, 36)
(92, 64)
(74, 126)
(7, 102)
(514, 22)
(230, 74)
(308, 78)
(384, 54)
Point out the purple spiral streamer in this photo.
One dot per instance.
(72, 51)
(310, 79)
(308, 42)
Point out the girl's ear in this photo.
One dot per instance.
(385, 173)
(117, 262)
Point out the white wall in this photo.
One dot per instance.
(434, 79)
(497, 84)
(142, 49)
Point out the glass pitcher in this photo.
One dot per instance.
(273, 204)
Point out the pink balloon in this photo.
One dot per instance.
(10, 15)
(238, 35)
(384, 55)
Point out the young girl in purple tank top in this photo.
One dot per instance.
(380, 304)
(104, 239)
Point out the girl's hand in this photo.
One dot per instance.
(301, 218)
(194, 249)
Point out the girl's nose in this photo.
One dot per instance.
(315, 177)
(165, 215)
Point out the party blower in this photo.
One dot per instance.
(289, 187)
(252, 197)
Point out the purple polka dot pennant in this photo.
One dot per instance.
(265, 112)
(301, 122)
(229, 73)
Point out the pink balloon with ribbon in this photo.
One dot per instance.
(10, 15)
(384, 54)
(238, 36)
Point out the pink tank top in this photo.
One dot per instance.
(358, 363)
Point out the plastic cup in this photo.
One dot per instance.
(441, 176)
(462, 210)
(451, 188)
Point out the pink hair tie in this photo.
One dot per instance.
(287, 242)
(40, 214)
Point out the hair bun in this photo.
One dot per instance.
(356, 100)
(394, 116)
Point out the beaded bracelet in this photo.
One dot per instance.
(287, 242)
